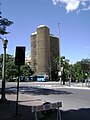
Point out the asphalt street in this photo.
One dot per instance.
(75, 100)
(71, 97)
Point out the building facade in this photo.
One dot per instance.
(44, 50)
(28, 60)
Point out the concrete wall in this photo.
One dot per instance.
(44, 49)
(33, 52)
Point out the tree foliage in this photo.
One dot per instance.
(4, 22)
(12, 69)
(26, 70)
(73, 70)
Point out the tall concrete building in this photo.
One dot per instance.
(44, 50)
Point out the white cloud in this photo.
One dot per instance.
(84, 4)
(86, 8)
(71, 5)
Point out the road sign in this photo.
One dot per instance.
(20, 55)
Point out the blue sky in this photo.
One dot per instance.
(27, 15)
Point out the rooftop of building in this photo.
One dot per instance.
(41, 26)
(34, 33)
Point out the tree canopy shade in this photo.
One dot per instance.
(4, 22)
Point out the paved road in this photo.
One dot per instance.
(71, 98)
(76, 102)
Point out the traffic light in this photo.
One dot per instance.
(20, 55)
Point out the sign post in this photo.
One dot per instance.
(19, 60)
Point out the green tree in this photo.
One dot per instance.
(65, 69)
(26, 70)
(85, 66)
(4, 22)
(12, 69)
(64, 65)
(78, 71)
(73, 70)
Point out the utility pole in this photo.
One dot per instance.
(59, 73)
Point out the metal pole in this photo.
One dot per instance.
(3, 99)
(70, 73)
(3, 76)
(82, 78)
(17, 90)
(59, 52)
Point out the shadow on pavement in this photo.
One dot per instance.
(35, 91)
(80, 114)
(8, 110)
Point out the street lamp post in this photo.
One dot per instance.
(5, 42)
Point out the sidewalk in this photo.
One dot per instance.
(8, 109)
